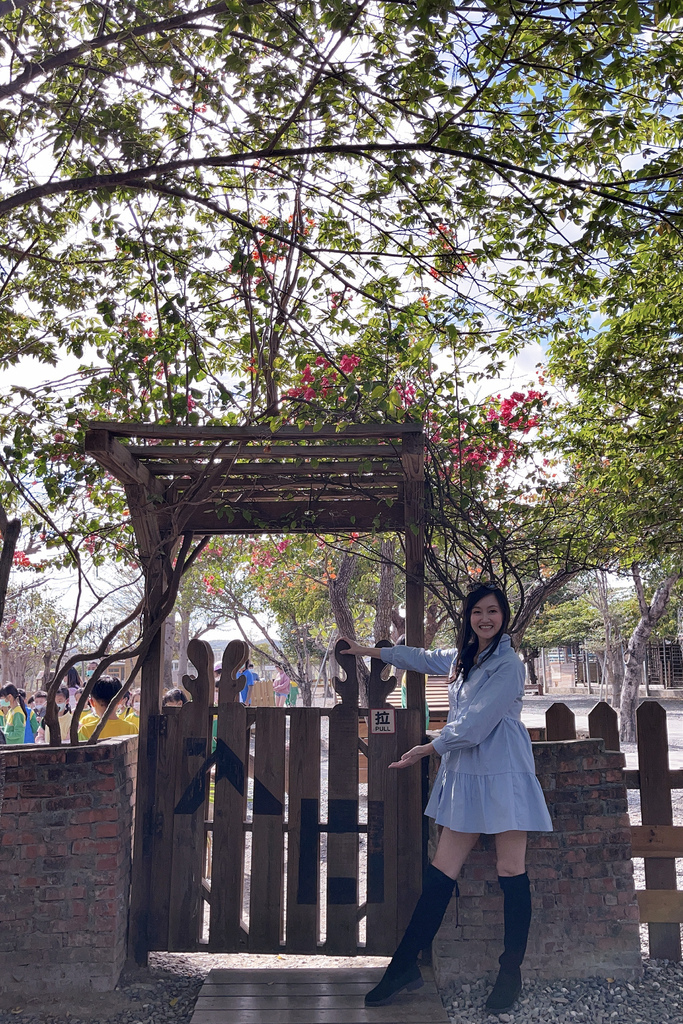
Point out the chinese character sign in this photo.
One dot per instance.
(382, 720)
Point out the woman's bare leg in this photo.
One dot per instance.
(510, 854)
(453, 850)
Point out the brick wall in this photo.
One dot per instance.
(65, 849)
(585, 919)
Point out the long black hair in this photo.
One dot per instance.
(10, 690)
(468, 641)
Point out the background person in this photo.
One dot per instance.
(486, 783)
(248, 675)
(281, 684)
(103, 692)
(174, 698)
(18, 719)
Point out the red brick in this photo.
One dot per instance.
(107, 830)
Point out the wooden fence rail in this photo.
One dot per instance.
(657, 840)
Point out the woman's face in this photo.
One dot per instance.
(486, 619)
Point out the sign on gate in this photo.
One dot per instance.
(382, 720)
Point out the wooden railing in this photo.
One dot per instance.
(658, 840)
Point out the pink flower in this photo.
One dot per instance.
(309, 394)
(348, 364)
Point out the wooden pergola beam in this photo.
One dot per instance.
(205, 433)
(387, 469)
(261, 451)
(120, 461)
(291, 517)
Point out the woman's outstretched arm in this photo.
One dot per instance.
(415, 659)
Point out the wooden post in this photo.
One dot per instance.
(560, 723)
(149, 540)
(656, 809)
(603, 724)
(412, 458)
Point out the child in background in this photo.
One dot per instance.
(16, 716)
(103, 692)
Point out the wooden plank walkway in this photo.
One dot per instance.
(306, 996)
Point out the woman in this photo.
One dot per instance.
(16, 715)
(281, 685)
(486, 784)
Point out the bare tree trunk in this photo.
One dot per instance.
(338, 590)
(535, 599)
(169, 639)
(530, 654)
(47, 661)
(385, 592)
(306, 692)
(615, 663)
(184, 641)
(10, 529)
(433, 621)
(398, 623)
(635, 651)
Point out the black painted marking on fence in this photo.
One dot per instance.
(228, 766)
(342, 817)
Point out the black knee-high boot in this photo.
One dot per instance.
(517, 914)
(403, 972)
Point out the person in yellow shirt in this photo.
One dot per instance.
(103, 692)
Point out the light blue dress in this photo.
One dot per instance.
(487, 780)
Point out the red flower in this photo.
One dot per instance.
(348, 364)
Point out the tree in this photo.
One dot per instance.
(231, 192)
(650, 614)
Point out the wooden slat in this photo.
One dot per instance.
(265, 1001)
(255, 451)
(298, 975)
(632, 778)
(360, 469)
(185, 917)
(296, 517)
(164, 803)
(280, 988)
(248, 433)
(603, 724)
(267, 849)
(303, 851)
(560, 723)
(656, 809)
(412, 1011)
(382, 845)
(342, 847)
(225, 929)
(318, 492)
(410, 819)
(657, 840)
(661, 906)
(323, 1008)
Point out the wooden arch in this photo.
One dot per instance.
(191, 482)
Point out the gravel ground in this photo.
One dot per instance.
(658, 997)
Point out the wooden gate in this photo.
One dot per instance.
(266, 836)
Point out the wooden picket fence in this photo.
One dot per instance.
(268, 835)
(657, 840)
